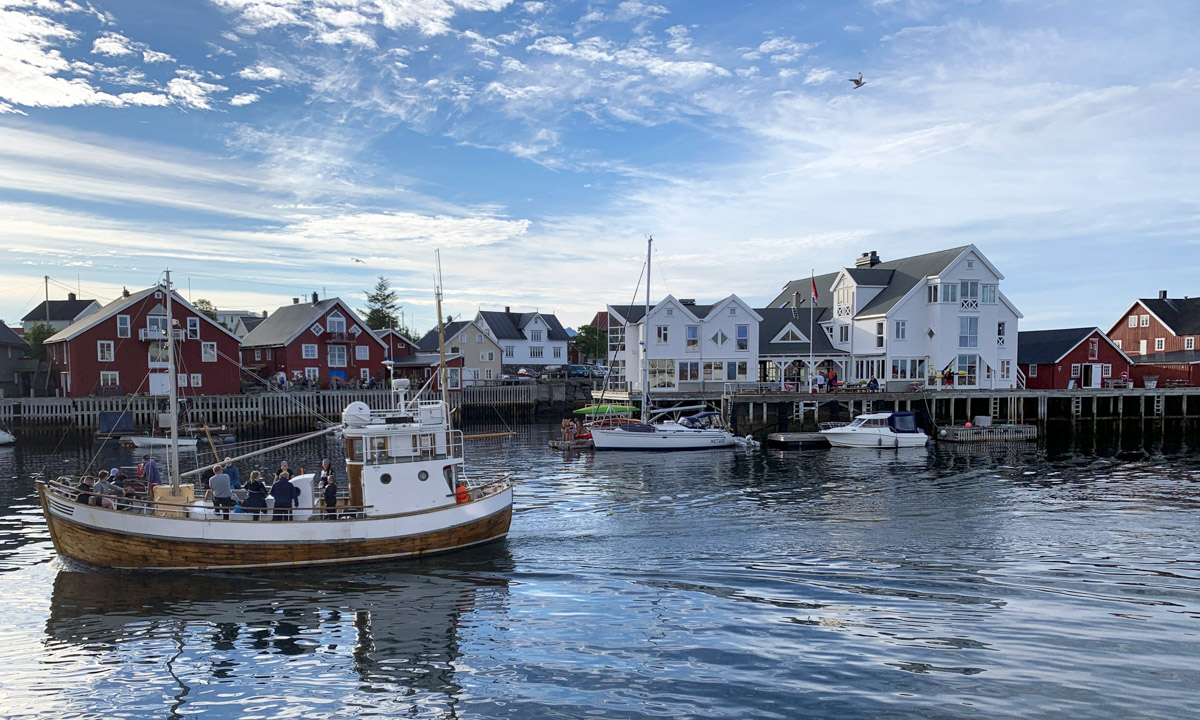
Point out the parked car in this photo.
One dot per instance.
(579, 371)
(600, 371)
(528, 373)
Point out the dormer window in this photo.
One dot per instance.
(535, 336)
(336, 322)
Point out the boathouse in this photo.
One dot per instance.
(1159, 335)
(1071, 358)
(120, 349)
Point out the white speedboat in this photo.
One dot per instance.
(878, 430)
(7, 438)
(156, 441)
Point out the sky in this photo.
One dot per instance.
(266, 149)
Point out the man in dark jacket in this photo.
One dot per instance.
(285, 495)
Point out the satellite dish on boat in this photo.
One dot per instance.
(356, 414)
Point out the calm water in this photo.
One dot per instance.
(953, 583)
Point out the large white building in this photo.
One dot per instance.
(531, 338)
(918, 318)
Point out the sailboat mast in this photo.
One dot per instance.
(173, 394)
(646, 338)
(442, 372)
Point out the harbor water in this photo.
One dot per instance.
(949, 582)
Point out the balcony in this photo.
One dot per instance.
(337, 337)
(970, 303)
(1000, 341)
(158, 335)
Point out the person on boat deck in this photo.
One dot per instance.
(235, 475)
(330, 491)
(284, 493)
(103, 492)
(256, 495)
(222, 491)
(84, 493)
(283, 470)
(153, 477)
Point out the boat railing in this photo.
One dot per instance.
(832, 425)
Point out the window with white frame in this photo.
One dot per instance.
(693, 338)
(537, 351)
(362, 352)
(104, 351)
(1033, 371)
(122, 327)
(557, 351)
(931, 293)
(689, 371)
(1106, 371)
(901, 329)
(258, 355)
(208, 352)
(1189, 343)
(364, 374)
(336, 322)
(182, 380)
(355, 330)
(670, 312)
(662, 374)
(843, 300)
(478, 337)
(197, 379)
(1001, 328)
(714, 370)
(308, 351)
(193, 328)
(1144, 321)
(719, 338)
(843, 333)
(535, 336)
(311, 373)
(949, 293)
(970, 264)
(743, 337)
(270, 353)
(661, 333)
(732, 312)
(317, 329)
(902, 369)
(1093, 348)
(109, 378)
(968, 332)
(1133, 321)
(1118, 344)
(337, 356)
(987, 294)
(1005, 369)
(880, 330)
(487, 373)
(1076, 370)
(969, 289)
(454, 378)
(510, 351)
(1160, 344)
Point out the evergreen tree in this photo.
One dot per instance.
(36, 337)
(381, 306)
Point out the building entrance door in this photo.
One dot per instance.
(160, 383)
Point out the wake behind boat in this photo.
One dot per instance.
(878, 430)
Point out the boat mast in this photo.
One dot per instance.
(173, 394)
(646, 338)
(437, 292)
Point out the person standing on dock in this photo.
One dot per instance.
(820, 382)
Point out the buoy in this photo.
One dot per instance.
(967, 424)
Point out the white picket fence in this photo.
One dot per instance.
(235, 410)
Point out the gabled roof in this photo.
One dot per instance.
(251, 321)
(8, 338)
(804, 287)
(423, 359)
(870, 277)
(774, 320)
(284, 325)
(633, 314)
(115, 307)
(1180, 315)
(450, 331)
(511, 326)
(1177, 357)
(59, 310)
(387, 332)
(1046, 347)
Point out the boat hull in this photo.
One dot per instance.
(7, 438)
(675, 439)
(869, 439)
(112, 539)
(146, 441)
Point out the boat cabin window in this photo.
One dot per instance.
(858, 422)
(378, 447)
(448, 473)
(904, 423)
(355, 449)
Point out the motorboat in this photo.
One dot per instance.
(157, 441)
(7, 438)
(408, 497)
(877, 430)
(703, 431)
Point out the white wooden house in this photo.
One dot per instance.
(531, 338)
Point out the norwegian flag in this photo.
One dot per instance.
(814, 291)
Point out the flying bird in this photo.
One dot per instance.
(364, 262)
(858, 82)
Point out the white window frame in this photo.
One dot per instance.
(123, 326)
(105, 348)
(691, 338)
(454, 378)
(257, 355)
(1076, 370)
(535, 336)
(950, 292)
(1144, 321)
(880, 333)
(557, 351)
(336, 356)
(1133, 321)
(901, 329)
(1005, 369)
(487, 373)
(364, 374)
(843, 333)
(537, 351)
(362, 352)
(510, 351)
(967, 339)
(335, 318)
(742, 344)
(1033, 370)
(193, 328)
(1189, 343)
(1118, 343)
(113, 375)
(197, 380)
(312, 373)
(181, 380)
(1106, 371)
(1160, 344)
(308, 351)
(478, 337)
(662, 334)
(317, 329)
(988, 294)
(931, 293)
(689, 370)
(205, 355)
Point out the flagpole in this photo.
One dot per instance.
(812, 310)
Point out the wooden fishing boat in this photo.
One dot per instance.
(408, 496)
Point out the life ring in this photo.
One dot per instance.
(789, 386)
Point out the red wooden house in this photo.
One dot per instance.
(121, 349)
(323, 342)
(1073, 357)
(1159, 334)
(422, 367)
(398, 345)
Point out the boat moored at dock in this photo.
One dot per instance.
(878, 430)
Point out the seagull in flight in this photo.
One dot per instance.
(858, 82)
(364, 262)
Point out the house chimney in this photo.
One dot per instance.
(1162, 294)
(688, 301)
(264, 313)
(795, 299)
(316, 299)
(507, 309)
(71, 297)
(124, 292)
(867, 260)
(295, 301)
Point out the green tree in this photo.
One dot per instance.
(591, 342)
(36, 337)
(207, 308)
(381, 306)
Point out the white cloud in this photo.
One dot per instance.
(243, 99)
(261, 71)
(819, 75)
(852, 28)
(783, 50)
(153, 56)
(112, 44)
(30, 65)
(535, 8)
(190, 90)
(632, 9)
(343, 22)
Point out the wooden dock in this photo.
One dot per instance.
(572, 445)
(987, 433)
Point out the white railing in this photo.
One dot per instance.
(970, 304)
(151, 334)
(999, 341)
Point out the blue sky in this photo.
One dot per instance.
(256, 146)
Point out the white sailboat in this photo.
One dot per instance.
(408, 496)
(698, 432)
